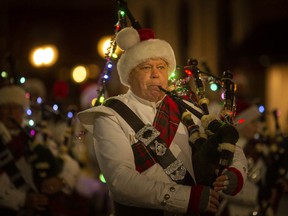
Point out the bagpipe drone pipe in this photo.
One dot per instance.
(123, 12)
(212, 151)
(123, 7)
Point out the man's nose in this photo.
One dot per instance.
(155, 72)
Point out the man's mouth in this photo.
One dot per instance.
(154, 87)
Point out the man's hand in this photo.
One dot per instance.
(213, 203)
(221, 183)
(203, 199)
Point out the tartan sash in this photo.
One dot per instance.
(144, 157)
(146, 151)
(167, 120)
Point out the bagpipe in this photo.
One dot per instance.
(56, 131)
(41, 158)
(48, 161)
(213, 151)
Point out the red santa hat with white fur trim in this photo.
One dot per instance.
(14, 94)
(246, 113)
(139, 46)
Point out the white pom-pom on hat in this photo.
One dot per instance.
(137, 51)
(127, 38)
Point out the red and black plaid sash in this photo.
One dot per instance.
(166, 122)
(144, 156)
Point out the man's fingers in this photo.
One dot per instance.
(213, 203)
(221, 183)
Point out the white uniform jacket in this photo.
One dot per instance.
(113, 138)
(14, 198)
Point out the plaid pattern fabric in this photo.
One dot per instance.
(167, 120)
(144, 157)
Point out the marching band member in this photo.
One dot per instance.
(63, 171)
(18, 191)
(34, 179)
(142, 146)
(247, 120)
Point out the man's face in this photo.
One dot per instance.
(146, 77)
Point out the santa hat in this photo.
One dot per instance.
(13, 94)
(139, 46)
(246, 113)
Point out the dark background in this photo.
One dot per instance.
(76, 26)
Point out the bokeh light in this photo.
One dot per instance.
(79, 73)
(43, 56)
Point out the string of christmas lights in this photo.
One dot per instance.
(110, 55)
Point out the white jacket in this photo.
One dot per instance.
(14, 198)
(113, 138)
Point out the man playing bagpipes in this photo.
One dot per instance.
(18, 191)
(32, 174)
(142, 144)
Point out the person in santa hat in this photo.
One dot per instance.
(18, 192)
(141, 144)
(31, 174)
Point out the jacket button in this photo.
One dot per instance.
(167, 196)
(172, 189)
